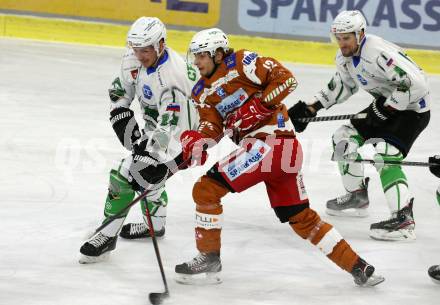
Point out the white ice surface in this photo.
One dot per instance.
(57, 147)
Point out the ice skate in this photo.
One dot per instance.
(434, 273)
(97, 249)
(352, 204)
(204, 269)
(399, 227)
(139, 230)
(364, 276)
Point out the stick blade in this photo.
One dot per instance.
(157, 298)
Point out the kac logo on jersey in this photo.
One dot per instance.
(362, 80)
(231, 61)
(146, 90)
(221, 92)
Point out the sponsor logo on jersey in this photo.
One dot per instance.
(422, 103)
(249, 58)
(221, 92)
(173, 107)
(231, 61)
(362, 80)
(198, 87)
(219, 82)
(146, 90)
(280, 120)
(232, 102)
(247, 160)
(300, 184)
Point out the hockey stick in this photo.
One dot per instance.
(158, 297)
(332, 118)
(388, 162)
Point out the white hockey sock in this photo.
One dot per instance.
(113, 228)
(352, 175)
(158, 219)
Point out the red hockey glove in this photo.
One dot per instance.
(250, 114)
(192, 147)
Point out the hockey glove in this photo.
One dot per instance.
(435, 169)
(192, 147)
(125, 126)
(378, 113)
(146, 168)
(250, 115)
(300, 110)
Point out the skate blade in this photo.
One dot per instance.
(348, 212)
(210, 278)
(435, 281)
(399, 235)
(373, 280)
(142, 238)
(84, 259)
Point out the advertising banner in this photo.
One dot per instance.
(199, 13)
(409, 22)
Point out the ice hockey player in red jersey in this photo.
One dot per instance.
(246, 91)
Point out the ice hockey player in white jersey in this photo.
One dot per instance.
(394, 120)
(162, 82)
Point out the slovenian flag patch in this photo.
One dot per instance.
(173, 107)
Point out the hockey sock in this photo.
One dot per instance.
(207, 194)
(120, 194)
(394, 183)
(309, 225)
(352, 173)
(208, 232)
(157, 208)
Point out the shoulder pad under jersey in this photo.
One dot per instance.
(130, 66)
(340, 59)
(249, 65)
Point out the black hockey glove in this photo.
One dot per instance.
(378, 113)
(125, 126)
(435, 169)
(300, 110)
(146, 168)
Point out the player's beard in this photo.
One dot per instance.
(349, 52)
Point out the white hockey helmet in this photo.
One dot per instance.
(147, 31)
(209, 41)
(348, 22)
